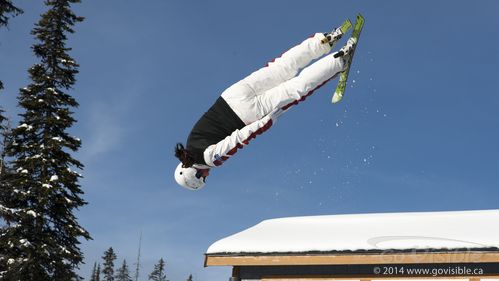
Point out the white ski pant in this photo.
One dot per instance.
(264, 95)
(272, 89)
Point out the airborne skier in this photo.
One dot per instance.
(249, 107)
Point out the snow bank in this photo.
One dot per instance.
(391, 231)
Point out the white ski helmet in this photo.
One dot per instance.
(188, 177)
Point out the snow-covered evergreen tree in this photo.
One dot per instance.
(123, 273)
(158, 274)
(5, 196)
(2, 112)
(41, 239)
(5, 139)
(137, 264)
(7, 10)
(92, 277)
(108, 270)
(95, 273)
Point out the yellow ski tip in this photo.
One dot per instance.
(337, 97)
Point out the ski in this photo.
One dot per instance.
(342, 83)
(345, 26)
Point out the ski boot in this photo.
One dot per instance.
(335, 35)
(332, 37)
(346, 50)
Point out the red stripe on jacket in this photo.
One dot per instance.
(253, 135)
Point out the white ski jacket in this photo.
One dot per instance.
(217, 154)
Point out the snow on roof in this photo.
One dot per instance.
(366, 232)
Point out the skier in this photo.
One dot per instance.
(249, 107)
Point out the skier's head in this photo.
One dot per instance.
(185, 174)
(190, 177)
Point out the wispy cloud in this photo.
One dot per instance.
(106, 123)
(106, 129)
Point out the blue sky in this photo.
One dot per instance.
(417, 131)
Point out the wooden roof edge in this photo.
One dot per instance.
(452, 257)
